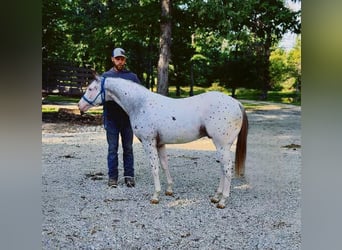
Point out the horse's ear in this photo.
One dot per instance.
(95, 75)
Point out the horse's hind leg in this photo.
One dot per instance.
(223, 189)
(216, 198)
(164, 163)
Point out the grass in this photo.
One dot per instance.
(59, 98)
(251, 106)
(284, 96)
(64, 99)
(49, 109)
(55, 110)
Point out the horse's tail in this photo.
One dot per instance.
(241, 146)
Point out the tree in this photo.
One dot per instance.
(209, 38)
(250, 28)
(295, 68)
(269, 22)
(54, 29)
(279, 69)
(165, 43)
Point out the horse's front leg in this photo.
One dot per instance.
(151, 151)
(163, 161)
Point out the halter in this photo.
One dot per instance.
(102, 93)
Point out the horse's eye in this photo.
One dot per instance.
(90, 89)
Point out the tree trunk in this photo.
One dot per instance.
(192, 80)
(165, 43)
(233, 92)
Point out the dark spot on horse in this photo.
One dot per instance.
(135, 127)
(173, 118)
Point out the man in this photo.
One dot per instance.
(116, 121)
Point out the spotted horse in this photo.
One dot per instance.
(158, 120)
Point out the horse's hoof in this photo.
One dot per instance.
(220, 206)
(168, 193)
(153, 201)
(213, 200)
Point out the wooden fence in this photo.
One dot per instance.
(65, 78)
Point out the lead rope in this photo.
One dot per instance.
(103, 91)
(103, 95)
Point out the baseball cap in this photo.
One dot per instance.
(119, 52)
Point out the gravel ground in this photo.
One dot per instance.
(263, 212)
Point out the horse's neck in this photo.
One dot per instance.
(127, 94)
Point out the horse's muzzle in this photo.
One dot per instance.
(81, 110)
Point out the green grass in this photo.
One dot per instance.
(64, 99)
(49, 110)
(55, 110)
(251, 106)
(58, 98)
(286, 97)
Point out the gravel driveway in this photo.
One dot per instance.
(263, 212)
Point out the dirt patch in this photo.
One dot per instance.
(72, 116)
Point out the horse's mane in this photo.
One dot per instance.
(138, 85)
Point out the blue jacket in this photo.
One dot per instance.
(125, 74)
(111, 110)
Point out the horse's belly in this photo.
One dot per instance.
(177, 140)
(179, 135)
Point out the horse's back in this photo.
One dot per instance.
(219, 103)
(194, 110)
(187, 119)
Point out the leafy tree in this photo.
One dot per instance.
(270, 20)
(295, 68)
(279, 69)
(248, 31)
(54, 29)
(225, 41)
(87, 32)
(286, 64)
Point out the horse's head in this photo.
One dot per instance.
(93, 96)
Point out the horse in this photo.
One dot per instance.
(158, 120)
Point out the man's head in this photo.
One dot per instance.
(119, 58)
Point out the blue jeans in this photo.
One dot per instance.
(115, 127)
